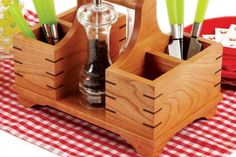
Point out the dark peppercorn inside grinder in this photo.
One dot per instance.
(97, 18)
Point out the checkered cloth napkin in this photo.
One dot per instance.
(68, 136)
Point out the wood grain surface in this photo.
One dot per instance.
(53, 71)
(150, 96)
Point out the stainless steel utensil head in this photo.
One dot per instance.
(55, 34)
(175, 49)
(194, 47)
(47, 33)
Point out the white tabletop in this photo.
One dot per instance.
(12, 146)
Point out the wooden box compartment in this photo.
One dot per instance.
(155, 91)
(53, 71)
(151, 66)
(38, 64)
(150, 96)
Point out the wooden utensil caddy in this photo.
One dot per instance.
(150, 96)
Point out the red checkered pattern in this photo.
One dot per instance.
(68, 136)
(31, 17)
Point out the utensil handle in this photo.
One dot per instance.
(180, 11)
(171, 9)
(201, 10)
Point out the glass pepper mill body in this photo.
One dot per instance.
(97, 18)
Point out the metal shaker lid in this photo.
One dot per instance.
(97, 14)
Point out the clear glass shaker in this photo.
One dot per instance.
(97, 18)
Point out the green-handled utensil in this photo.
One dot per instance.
(201, 10)
(171, 9)
(48, 19)
(52, 20)
(175, 21)
(41, 9)
(174, 46)
(180, 11)
(20, 21)
(195, 46)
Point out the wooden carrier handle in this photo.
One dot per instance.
(126, 3)
(145, 27)
(77, 29)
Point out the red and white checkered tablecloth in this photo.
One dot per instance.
(68, 136)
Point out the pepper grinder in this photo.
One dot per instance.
(97, 18)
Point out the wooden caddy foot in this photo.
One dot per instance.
(211, 114)
(25, 103)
